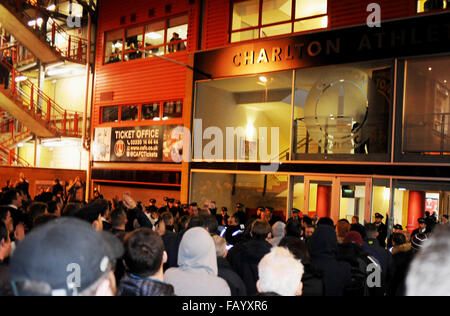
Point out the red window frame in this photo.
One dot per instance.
(143, 48)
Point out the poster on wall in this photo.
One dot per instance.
(138, 144)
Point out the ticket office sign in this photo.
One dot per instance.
(158, 143)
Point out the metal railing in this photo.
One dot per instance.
(68, 46)
(429, 132)
(36, 102)
(10, 158)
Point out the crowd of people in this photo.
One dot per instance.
(54, 246)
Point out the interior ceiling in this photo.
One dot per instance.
(440, 70)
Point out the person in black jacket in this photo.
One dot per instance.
(234, 281)
(352, 252)
(402, 255)
(245, 257)
(384, 257)
(144, 259)
(382, 229)
(323, 248)
(312, 278)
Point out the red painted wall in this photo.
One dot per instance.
(341, 13)
(144, 80)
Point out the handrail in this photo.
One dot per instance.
(41, 104)
(13, 157)
(73, 47)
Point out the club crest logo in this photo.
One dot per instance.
(119, 148)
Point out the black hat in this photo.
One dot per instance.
(194, 204)
(398, 226)
(295, 211)
(152, 201)
(378, 215)
(422, 221)
(50, 253)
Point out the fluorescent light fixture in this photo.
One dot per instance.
(153, 35)
(21, 78)
(65, 142)
(51, 8)
(156, 119)
(65, 71)
(54, 66)
(32, 23)
(20, 145)
(117, 45)
(402, 189)
(165, 118)
(387, 193)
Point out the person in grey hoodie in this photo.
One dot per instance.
(278, 233)
(197, 271)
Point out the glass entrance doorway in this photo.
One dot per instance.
(339, 198)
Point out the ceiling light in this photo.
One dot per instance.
(263, 79)
(32, 23)
(153, 35)
(51, 8)
(21, 78)
(430, 69)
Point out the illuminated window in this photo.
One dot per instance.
(432, 5)
(133, 43)
(172, 109)
(114, 46)
(157, 38)
(253, 19)
(150, 111)
(129, 113)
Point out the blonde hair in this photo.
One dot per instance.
(280, 272)
(221, 246)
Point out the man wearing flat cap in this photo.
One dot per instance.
(382, 229)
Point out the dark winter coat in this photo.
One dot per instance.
(171, 245)
(244, 259)
(131, 286)
(312, 281)
(402, 256)
(357, 257)
(384, 257)
(234, 281)
(323, 249)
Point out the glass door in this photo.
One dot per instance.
(338, 198)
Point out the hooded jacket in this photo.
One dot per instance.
(323, 249)
(130, 286)
(197, 271)
(278, 232)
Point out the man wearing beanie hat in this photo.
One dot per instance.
(65, 257)
(352, 252)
